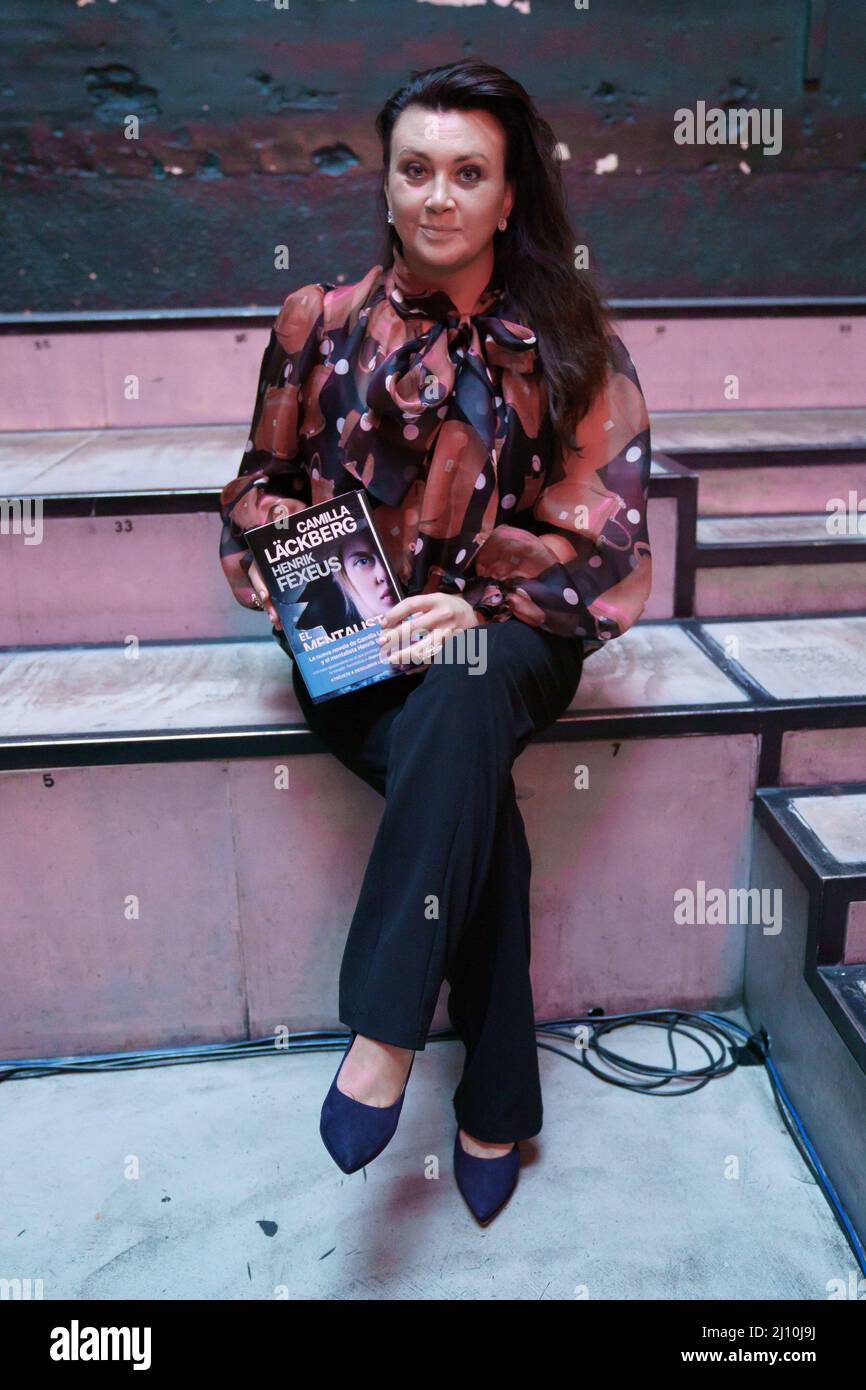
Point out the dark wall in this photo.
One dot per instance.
(256, 129)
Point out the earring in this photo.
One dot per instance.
(502, 224)
(390, 215)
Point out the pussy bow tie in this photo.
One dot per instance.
(443, 372)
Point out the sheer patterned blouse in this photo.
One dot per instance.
(442, 418)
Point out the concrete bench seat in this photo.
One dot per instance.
(240, 687)
(129, 521)
(61, 706)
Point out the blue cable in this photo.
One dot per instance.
(820, 1172)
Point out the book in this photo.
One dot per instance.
(330, 579)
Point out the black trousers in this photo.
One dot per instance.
(446, 891)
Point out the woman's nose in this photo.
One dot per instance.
(440, 198)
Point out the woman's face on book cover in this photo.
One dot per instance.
(363, 568)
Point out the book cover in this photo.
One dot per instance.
(329, 577)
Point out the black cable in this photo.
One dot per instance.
(651, 1018)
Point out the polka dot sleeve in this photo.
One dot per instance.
(593, 580)
(272, 469)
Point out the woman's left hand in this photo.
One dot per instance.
(436, 616)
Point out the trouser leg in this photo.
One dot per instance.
(452, 746)
(356, 727)
(446, 889)
(490, 1002)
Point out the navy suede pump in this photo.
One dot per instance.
(352, 1132)
(486, 1183)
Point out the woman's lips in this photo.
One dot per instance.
(437, 232)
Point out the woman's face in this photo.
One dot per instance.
(363, 569)
(446, 185)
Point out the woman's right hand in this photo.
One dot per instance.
(261, 589)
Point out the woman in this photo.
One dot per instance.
(350, 596)
(471, 383)
(362, 578)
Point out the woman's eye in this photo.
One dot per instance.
(469, 169)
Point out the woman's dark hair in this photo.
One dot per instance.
(534, 256)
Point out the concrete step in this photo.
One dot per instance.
(160, 803)
(683, 361)
(127, 521)
(776, 564)
(740, 429)
(112, 702)
(128, 531)
(96, 460)
(805, 976)
(767, 462)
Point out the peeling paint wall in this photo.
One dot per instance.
(156, 154)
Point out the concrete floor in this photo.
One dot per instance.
(620, 1196)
